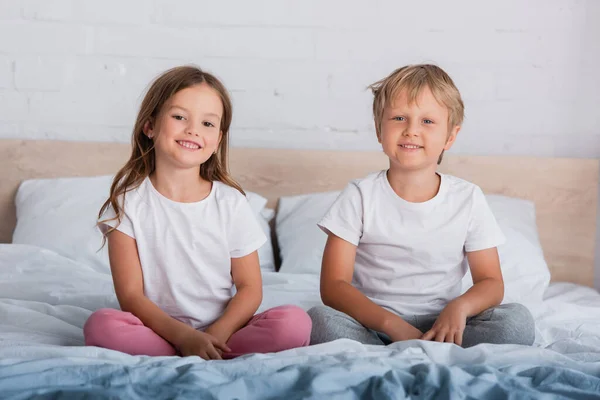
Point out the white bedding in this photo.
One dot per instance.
(46, 298)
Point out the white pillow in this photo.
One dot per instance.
(60, 215)
(301, 242)
(524, 269)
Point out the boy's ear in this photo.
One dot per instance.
(148, 129)
(451, 137)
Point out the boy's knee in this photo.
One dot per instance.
(518, 323)
(321, 315)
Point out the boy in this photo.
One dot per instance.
(399, 240)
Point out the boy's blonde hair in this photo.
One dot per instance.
(413, 79)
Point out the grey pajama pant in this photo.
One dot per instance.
(504, 324)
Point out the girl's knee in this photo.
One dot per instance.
(101, 324)
(293, 326)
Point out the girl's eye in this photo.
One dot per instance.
(208, 124)
(178, 117)
(428, 121)
(399, 118)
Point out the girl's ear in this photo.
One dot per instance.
(148, 129)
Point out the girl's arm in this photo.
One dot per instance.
(129, 287)
(337, 292)
(247, 279)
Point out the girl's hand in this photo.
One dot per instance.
(449, 326)
(216, 332)
(202, 344)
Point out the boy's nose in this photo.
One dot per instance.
(413, 129)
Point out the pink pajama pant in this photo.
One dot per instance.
(277, 329)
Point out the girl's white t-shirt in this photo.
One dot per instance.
(185, 249)
(410, 257)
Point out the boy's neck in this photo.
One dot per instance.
(181, 185)
(414, 186)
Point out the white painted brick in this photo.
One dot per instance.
(130, 12)
(479, 15)
(219, 42)
(10, 130)
(474, 83)
(114, 73)
(298, 70)
(13, 106)
(260, 12)
(38, 130)
(291, 13)
(6, 72)
(10, 9)
(551, 82)
(55, 10)
(256, 110)
(26, 37)
(95, 108)
(42, 73)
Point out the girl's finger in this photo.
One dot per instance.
(220, 345)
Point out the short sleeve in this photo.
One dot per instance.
(483, 231)
(107, 222)
(345, 217)
(245, 234)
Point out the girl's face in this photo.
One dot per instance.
(186, 132)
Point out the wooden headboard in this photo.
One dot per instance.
(564, 190)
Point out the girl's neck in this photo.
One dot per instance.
(414, 186)
(181, 185)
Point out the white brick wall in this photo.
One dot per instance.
(298, 69)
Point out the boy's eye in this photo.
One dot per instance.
(178, 117)
(428, 121)
(398, 118)
(208, 124)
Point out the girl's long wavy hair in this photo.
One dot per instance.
(142, 162)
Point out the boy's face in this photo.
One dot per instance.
(414, 135)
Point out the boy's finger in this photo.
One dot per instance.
(428, 335)
(440, 336)
(458, 337)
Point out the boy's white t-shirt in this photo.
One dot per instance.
(185, 249)
(410, 257)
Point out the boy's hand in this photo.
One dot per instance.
(449, 326)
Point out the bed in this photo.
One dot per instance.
(52, 277)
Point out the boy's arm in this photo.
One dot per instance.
(488, 286)
(337, 292)
(487, 291)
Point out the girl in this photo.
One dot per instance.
(181, 234)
